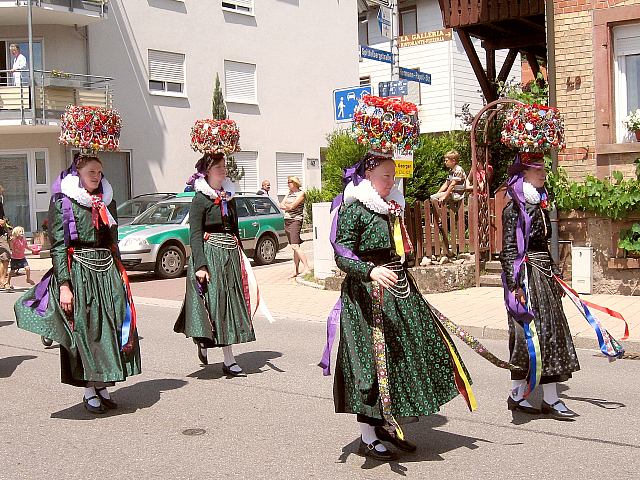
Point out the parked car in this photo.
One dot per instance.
(130, 209)
(158, 240)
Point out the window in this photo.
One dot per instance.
(363, 30)
(365, 80)
(166, 72)
(413, 92)
(408, 21)
(263, 206)
(6, 59)
(240, 82)
(242, 207)
(288, 164)
(627, 75)
(249, 162)
(238, 6)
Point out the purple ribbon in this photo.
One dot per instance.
(333, 320)
(41, 294)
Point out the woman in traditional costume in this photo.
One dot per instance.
(216, 311)
(84, 302)
(395, 360)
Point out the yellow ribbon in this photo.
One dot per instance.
(397, 237)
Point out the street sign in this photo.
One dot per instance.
(375, 54)
(345, 101)
(415, 76)
(395, 88)
(404, 164)
(384, 21)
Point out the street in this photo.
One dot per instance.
(181, 420)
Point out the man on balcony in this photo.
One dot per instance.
(19, 63)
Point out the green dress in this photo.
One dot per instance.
(216, 314)
(91, 344)
(420, 369)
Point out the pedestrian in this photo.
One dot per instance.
(84, 302)
(266, 186)
(18, 244)
(5, 253)
(528, 277)
(19, 64)
(293, 206)
(395, 360)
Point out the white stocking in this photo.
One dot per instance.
(90, 392)
(550, 395)
(368, 434)
(517, 391)
(229, 359)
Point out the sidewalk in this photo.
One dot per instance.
(480, 311)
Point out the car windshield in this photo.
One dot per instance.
(172, 213)
(135, 206)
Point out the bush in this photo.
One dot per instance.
(311, 196)
(342, 152)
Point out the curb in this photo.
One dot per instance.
(309, 284)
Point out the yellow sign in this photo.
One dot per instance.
(404, 168)
(425, 38)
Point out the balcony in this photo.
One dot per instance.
(53, 92)
(53, 12)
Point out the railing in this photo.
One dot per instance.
(428, 227)
(53, 92)
(99, 6)
(459, 13)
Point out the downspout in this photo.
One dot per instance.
(32, 78)
(553, 102)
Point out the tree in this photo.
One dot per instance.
(219, 112)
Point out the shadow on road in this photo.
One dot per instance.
(4, 323)
(8, 365)
(130, 399)
(432, 445)
(598, 402)
(251, 362)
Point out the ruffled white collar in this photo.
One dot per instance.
(201, 185)
(531, 193)
(70, 186)
(371, 199)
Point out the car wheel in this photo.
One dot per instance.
(266, 250)
(170, 262)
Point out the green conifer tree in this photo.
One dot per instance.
(219, 112)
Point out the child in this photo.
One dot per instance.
(452, 190)
(18, 246)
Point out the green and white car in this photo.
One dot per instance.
(158, 239)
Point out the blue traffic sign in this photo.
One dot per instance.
(345, 101)
(375, 54)
(415, 76)
(394, 88)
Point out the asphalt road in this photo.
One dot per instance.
(279, 421)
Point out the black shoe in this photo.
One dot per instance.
(514, 406)
(550, 410)
(106, 402)
(369, 450)
(203, 358)
(90, 408)
(387, 436)
(227, 371)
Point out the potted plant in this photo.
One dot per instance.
(630, 241)
(632, 122)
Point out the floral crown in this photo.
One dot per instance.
(91, 129)
(533, 128)
(386, 124)
(215, 136)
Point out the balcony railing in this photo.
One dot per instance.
(53, 92)
(92, 5)
(460, 13)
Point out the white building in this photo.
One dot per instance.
(155, 61)
(431, 49)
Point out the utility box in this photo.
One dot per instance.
(323, 260)
(582, 269)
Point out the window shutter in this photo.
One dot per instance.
(248, 161)
(166, 66)
(240, 82)
(288, 164)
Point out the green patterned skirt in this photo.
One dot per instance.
(91, 351)
(217, 314)
(419, 365)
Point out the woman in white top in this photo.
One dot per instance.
(293, 207)
(19, 63)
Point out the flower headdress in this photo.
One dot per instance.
(533, 128)
(385, 124)
(91, 129)
(215, 136)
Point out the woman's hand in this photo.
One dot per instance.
(519, 294)
(66, 298)
(202, 275)
(384, 276)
